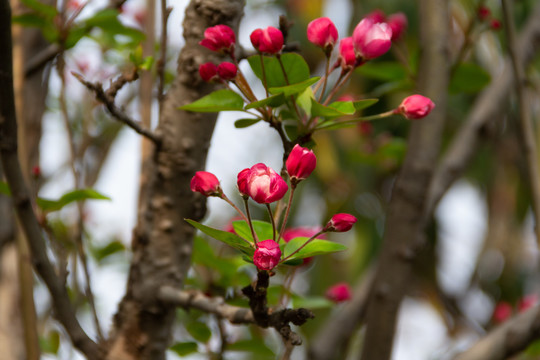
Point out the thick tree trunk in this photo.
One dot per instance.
(162, 240)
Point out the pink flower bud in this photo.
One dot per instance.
(398, 24)
(495, 24)
(208, 71)
(323, 33)
(262, 184)
(339, 293)
(377, 16)
(483, 13)
(267, 255)
(227, 70)
(269, 40)
(415, 107)
(36, 171)
(346, 52)
(300, 163)
(206, 183)
(242, 182)
(219, 38)
(502, 311)
(371, 39)
(527, 302)
(340, 223)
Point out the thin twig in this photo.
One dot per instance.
(526, 129)
(119, 115)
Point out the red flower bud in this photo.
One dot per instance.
(398, 24)
(208, 71)
(339, 293)
(227, 70)
(36, 171)
(371, 39)
(262, 184)
(300, 163)
(267, 255)
(206, 183)
(269, 40)
(377, 16)
(502, 311)
(527, 302)
(340, 223)
(219, 38)
(483, 13)
(415, 107)
(346, 52)
(495, 24)
(323, 33)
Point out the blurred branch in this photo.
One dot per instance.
(485, 111)
(21, 197)
(407, 216)
(525, 125)
(197, 300)
(107, 99)
(507, 339)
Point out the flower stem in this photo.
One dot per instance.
(361, 119)
(273, 221)
(338, 86)
(303, 246)
(286, 214)
(325, 77)
(264, 75)
(253, 233)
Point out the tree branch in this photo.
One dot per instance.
(21, 198)
(507, 339)
(107, 99)
(485, 111)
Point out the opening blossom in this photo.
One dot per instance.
(415, 107)
(205, 183)
(267, 255)
(219, 38)
(268, 41)
(300, 164)
(262, 184)
(371, 39)
(340, 223)
(323, 33)
(339, 293)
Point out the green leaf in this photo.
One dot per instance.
(304, 100)
(363, 104)
(311, 302)
(30, 20)
(184, 348)
(469, 78)
(4, 188)
(100, 253)
(262, 229)
(68, 198)
(384, 71)
(272, 101)
(293, 89)
(41, 8)
(224, 236)
(334, 125)
(199, 331)
(314, 248)
(254, 347)
(75, 34)
(244, 123)
(295, 66)
(50, 343)
(107, 20)
(318, 109)
(221, 100)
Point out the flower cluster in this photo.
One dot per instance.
(264, 185)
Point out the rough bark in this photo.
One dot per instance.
(406, 218)
(162, 240)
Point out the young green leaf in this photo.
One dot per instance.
(244, 123)
(311, 302)
(221, 100)
(262, 229)
(48, 205)
(384, 71)
(4, 188)
(318, 109)
(224, 236)
(295, 66)
(184, 348)
(315, 247)
(254, 346)
(101, 252)
(199, 331)
(293, 89)
(272, 101)
(41, 8)
(363, 104)
(469, 78)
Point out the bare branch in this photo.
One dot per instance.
(197, 300)
(485, 111)
(107, 99)
(21, 198)
(509, 338)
